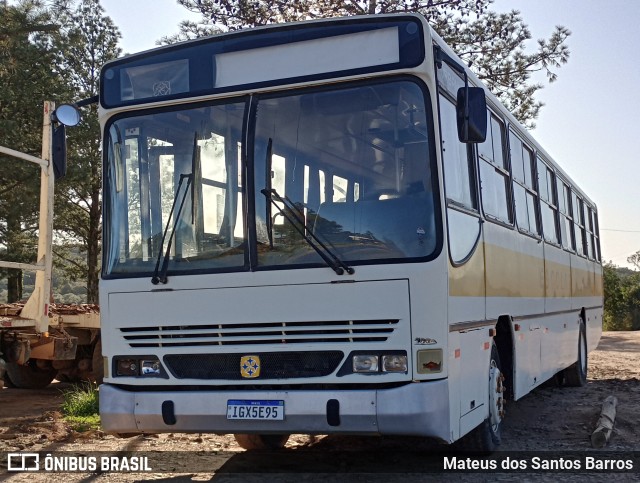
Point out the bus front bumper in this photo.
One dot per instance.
(420, 409)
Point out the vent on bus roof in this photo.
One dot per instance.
(260, 333)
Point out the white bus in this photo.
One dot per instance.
(332, 227)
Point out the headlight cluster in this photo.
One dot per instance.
(128, 366)
(371, 363)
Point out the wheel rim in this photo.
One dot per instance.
(496, 399)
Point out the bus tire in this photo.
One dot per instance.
(261, 441)
(29, 376)
(576, 374)
(487, 436)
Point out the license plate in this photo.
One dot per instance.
(255, 409)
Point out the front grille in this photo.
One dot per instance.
(273, 365)
(260, 333)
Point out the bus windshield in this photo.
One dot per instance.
(354, 163)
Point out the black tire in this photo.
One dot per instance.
(487, 436)
(29, 376)
(97, 365)
(576, 374)
(261, 441)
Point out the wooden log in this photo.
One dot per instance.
(601, 435)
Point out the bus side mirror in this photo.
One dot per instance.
(65, 115)
(59, 152)
(471, 113)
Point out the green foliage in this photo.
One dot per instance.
(52, 51)
(69, 287)
(621, 298)
(26, 80)
(83, 423)
(80, 407)
(493, 44)
(81, 400)
(88, 38)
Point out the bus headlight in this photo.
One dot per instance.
(365, 363)
(394, 363)
(127, 367)
(148, 366)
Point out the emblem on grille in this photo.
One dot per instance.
(250, 367)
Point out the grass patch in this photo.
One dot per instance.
(80, 407)
(83, 423)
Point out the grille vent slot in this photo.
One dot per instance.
(260, 333)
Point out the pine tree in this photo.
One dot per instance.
(26, 80)
(88, 38)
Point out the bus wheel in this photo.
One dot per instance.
(486, 437)
(261, 441)
(576, 374)
(29, 376)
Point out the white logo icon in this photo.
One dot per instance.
(23, 462)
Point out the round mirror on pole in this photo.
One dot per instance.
(67, 114)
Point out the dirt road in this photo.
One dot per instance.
(549, 419)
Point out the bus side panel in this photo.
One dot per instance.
(527, 355)
(475, 352)
(557, 279)
(455, 376)
(558, 347)
(582, 283)
(467, 289)
(515, 281)
(514, 273)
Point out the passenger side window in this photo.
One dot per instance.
(566, 216)
(548, 202)
(588, 229)
(524, 191)
(596, 236)
(578, 220)
(458, 172)
(494, 172)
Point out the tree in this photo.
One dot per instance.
(621, 298)
(614, 309)
(493, 44)
(635, 260)
(26, 57)
(87, 40)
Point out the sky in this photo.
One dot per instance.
(587, 122)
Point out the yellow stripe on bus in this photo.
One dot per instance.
(514, 274)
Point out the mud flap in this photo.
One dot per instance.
(55, 349)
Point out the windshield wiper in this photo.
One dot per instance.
(162, 277)
(301, 227)
(268, 186)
